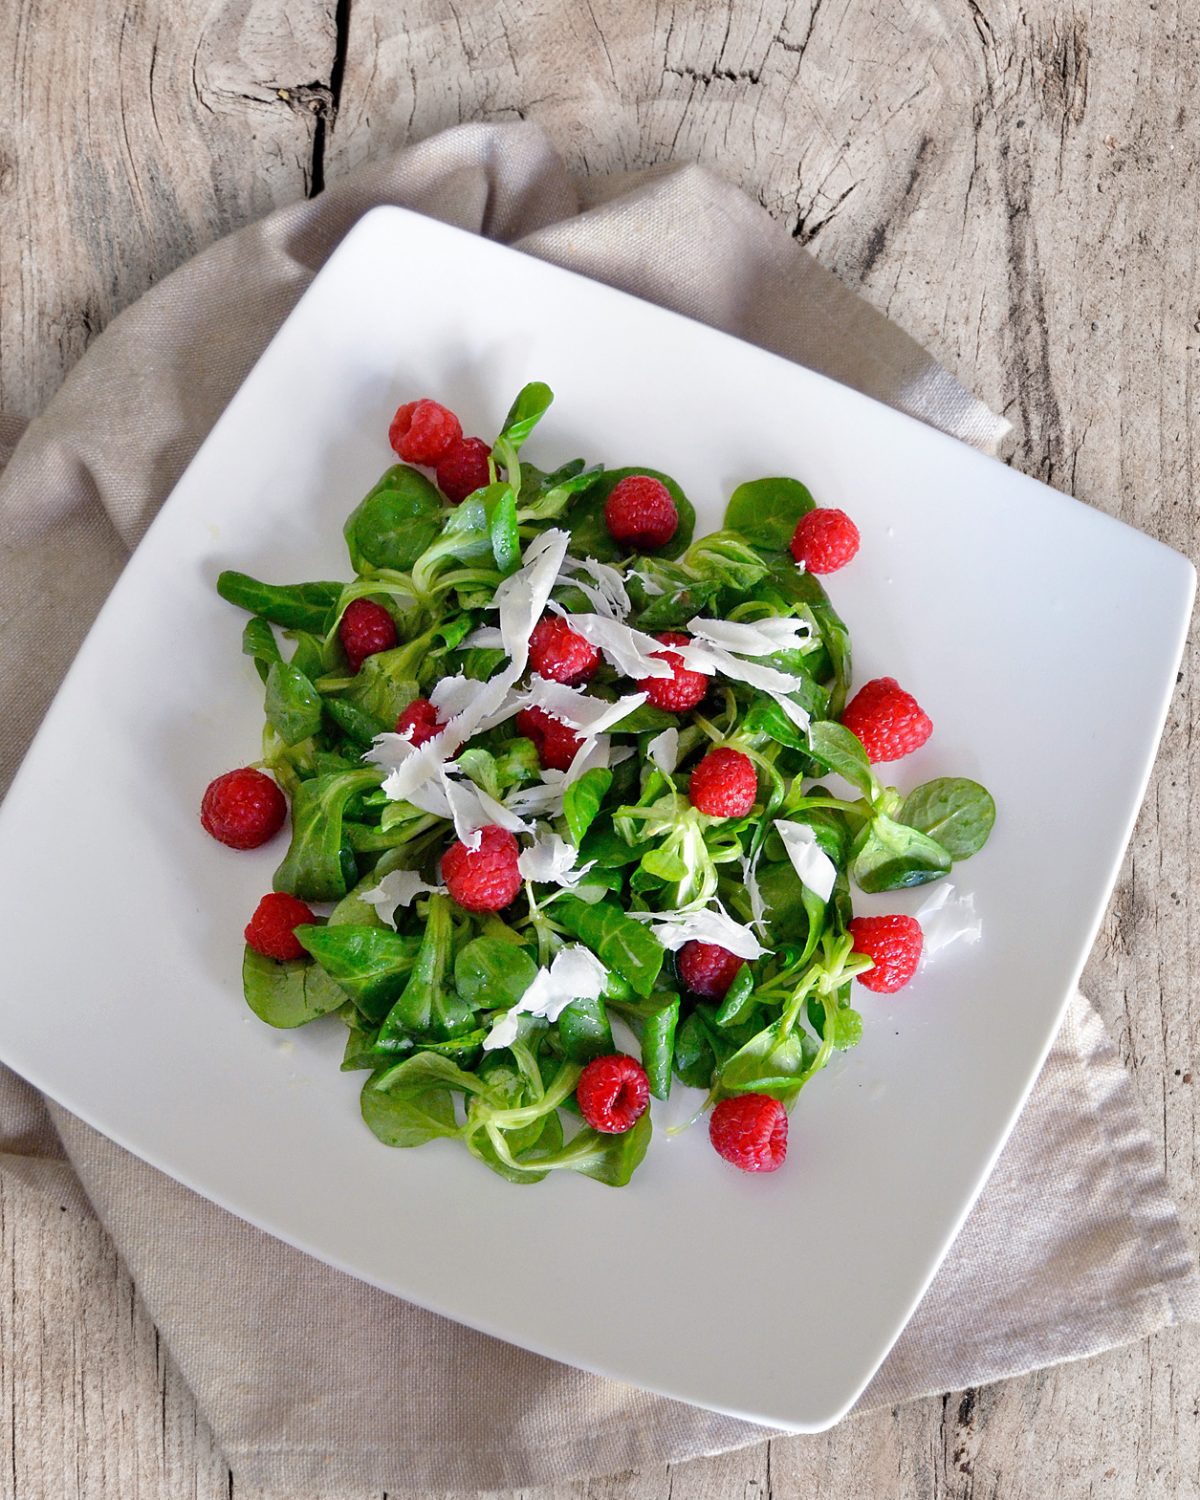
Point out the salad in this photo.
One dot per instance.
(554, 765)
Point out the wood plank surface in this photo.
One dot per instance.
(1015, 184)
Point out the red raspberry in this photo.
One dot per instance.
(751, 1131)
(895, 944)
(271, 931)
(365, 628)
(888, 721)
(487, 878)
(640, 513)
(463, 469)
(560, 653)
(708, 969)
(681, 691)
(824, 540)
(556, 745)
(421, 718)
(243, 809)
(422, 432)
(613, 1093)
(724, 784)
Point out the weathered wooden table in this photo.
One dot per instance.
(1016, 184)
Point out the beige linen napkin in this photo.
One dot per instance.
(308, 1377)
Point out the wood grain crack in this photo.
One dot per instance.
(327, 115)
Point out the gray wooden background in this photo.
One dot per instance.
(1014, 183)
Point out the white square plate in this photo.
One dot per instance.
(1041, 636)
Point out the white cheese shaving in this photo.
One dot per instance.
(758, 906)
(606, 593)
(399, 888)
(630, 651)
(487, 636)
(813, 866)
(800, 717)
(472, 808)
(713, 646)
(651, 586)
(663, 750)
(946, 917)
(542, 799)
(575, 974)
(703, 656)
(579, 711)
(550, 860)
(597, 754)
(452, 695)
(702, 925)
(441, 790)
(430, 797)
(408, 768)
(545, 798)
(522, 599)
(761, 638)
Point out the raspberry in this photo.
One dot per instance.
(613, 1093)
(487, 878)
(681, 691)
(556, 745)
(560, 653)
(824, 540)
(724, 784)
(895, 944)
(751, 1131)
(463, 469)
(420, 722)
(422, 432)
(640, 513)
(365, 628)
(888, 721)
(271, 931)
(243, 809)
(708, 969)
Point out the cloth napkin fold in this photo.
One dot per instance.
(308, 1377)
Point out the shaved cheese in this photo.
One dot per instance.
(399, 888)
(595, 755)
(704, 657)
(606, 593)
(578, 710)
(407, 767)
(452, 695)
(550, 860)
(575, 974)
(720, 645)
(813, 866)
(758, 907)
(522, 599)
(487, 636)
(650, 586)
(431, 798)
(761, 638)
(630, 651)
(663, 750)
(702, 925)
(800, 717)
(544, 799)
(472, 809)
(947, 917)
